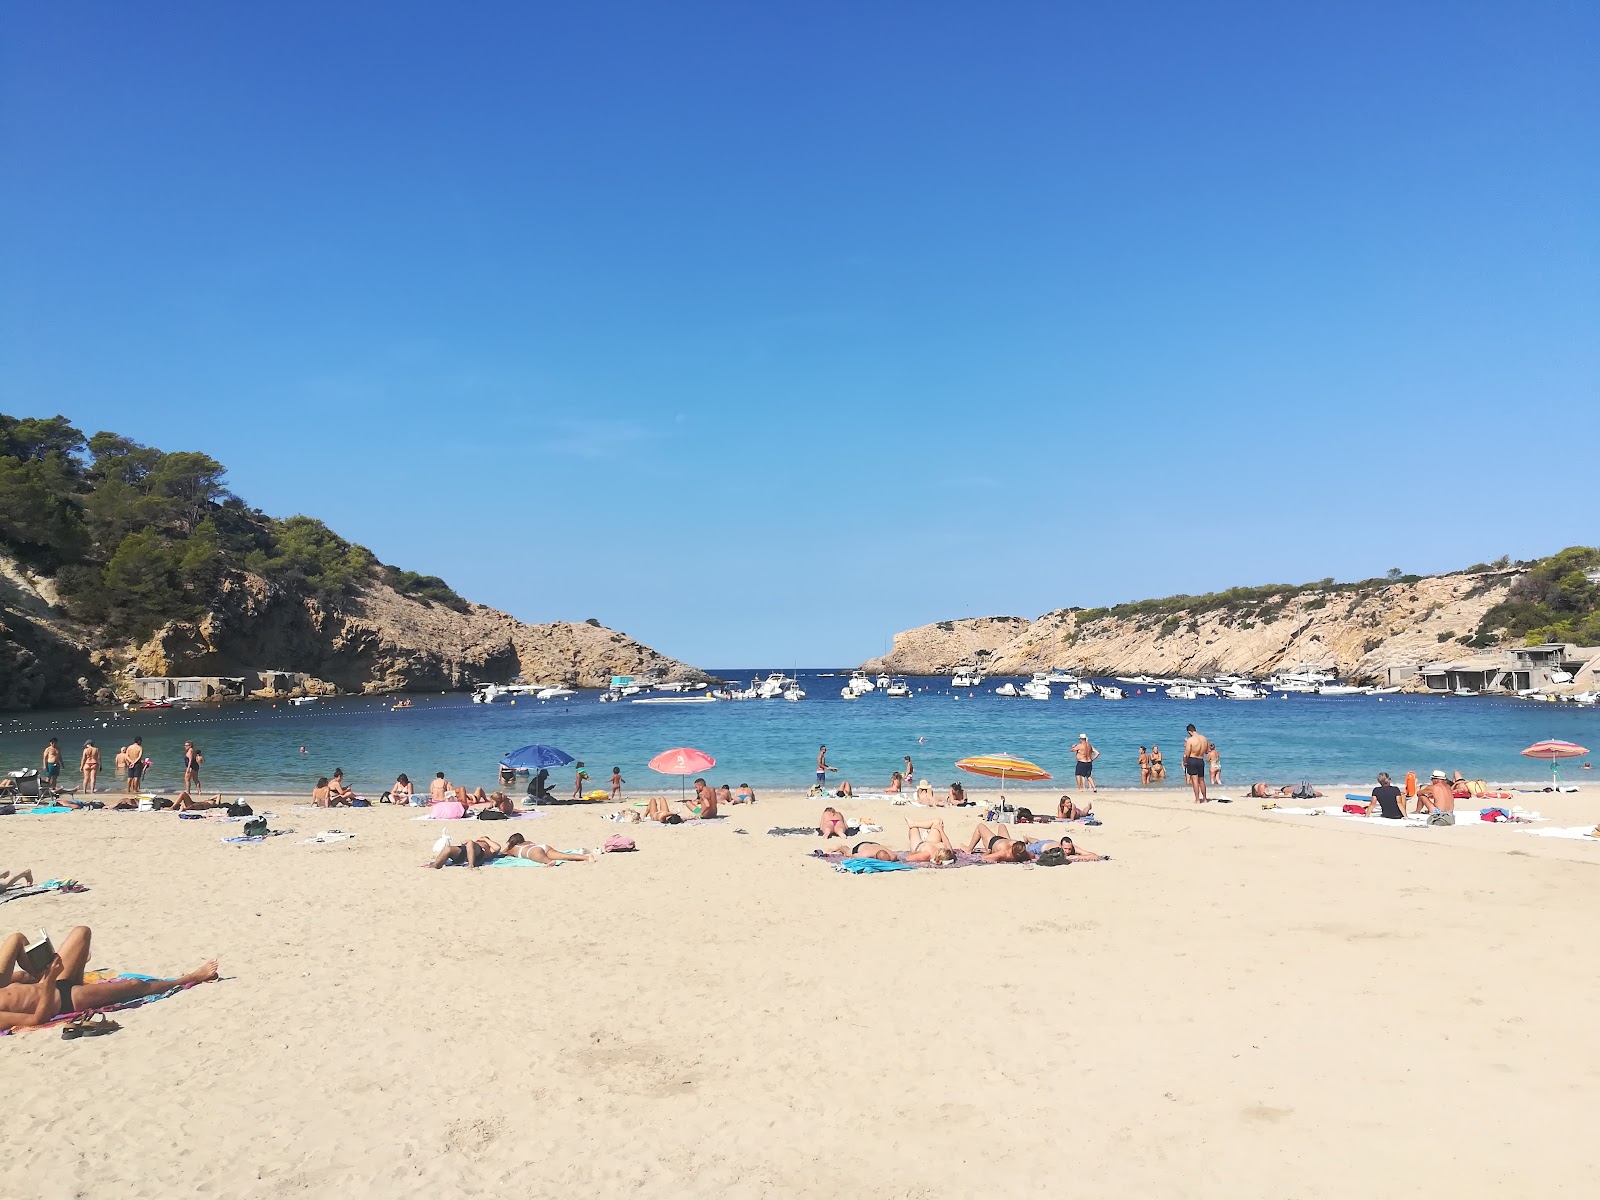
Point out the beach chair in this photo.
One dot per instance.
(27, 785)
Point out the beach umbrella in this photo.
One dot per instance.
(531, 758)
(1003, 767)
(682, 762)
(1555, 751)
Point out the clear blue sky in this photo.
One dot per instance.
(763, 331)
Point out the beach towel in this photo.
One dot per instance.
(104, 977)
(326, 836)
(40, 889)
(50, 809)
(1572, 833)
(792, 831)
(870, 866)
(516, 862)
(250, 841)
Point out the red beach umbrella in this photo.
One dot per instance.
(1555, 751)
(682, 762)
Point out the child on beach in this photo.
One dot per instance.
(616, 783)
(578, 782)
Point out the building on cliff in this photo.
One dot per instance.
(1520, 669)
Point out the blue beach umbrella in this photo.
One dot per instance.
(531, 758)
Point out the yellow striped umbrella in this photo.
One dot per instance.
(1003, 767)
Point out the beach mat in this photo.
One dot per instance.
(1572, 833)
(42, 889)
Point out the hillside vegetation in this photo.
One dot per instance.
(1555, 601)
(135, 536)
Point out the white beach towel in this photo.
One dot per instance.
(1572, 833)
(326, 836)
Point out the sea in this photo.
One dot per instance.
(1331, 741)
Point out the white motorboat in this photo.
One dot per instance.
(859, 683)
(1242, 691)
(679, 699)
(1461, 691)
(554, 693)
(773, 686)
(1179, 692)
(1077, 691)
(1141, 680)
(966, 679)
(1057, 675)
(1109, 692)
(846, 694)
(793, 693)
(899, 689)
(1007, 689)
(610, 695)
(1386, 691)
(1036, 689)
(882, 681)
(493, 693)
(1341, 689)
(299, 700)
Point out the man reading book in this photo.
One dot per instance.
(39, 983)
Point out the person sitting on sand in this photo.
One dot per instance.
(27, 999)
(660, 809)
(1068, 809)
(337, 788)
(402, 791)
(845, 791)
(474, 852)
(744, 795)
(497, 801)
(924, 793)
(896, 781)
(928, 842)
(1437, 797)
(11, 879)
(322, 795)
(1386, 799)
(1001, 846)
(518, 846)
(704, 804)
(439, 790)
(832, 824)
(187, 803)
(1067, 847)
(957, 797)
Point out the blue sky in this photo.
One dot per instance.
(763, 331)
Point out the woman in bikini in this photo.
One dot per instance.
(933, 844)
(1000, 845)
(1144, 767)
(474, 852)
(660, 809)
(896, 782)
(1158, 769)
(518, 846)
(832, 824)
(1068, 810)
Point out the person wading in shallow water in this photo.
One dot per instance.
(1194, 762)
(1085, 753)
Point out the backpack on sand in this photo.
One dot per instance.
(1055, 856)
(618, 844)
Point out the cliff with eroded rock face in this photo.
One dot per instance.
(1359, 630)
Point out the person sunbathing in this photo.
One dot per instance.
(928, 842)
(187, 803)
(862, 850)
(1066, 846)
(725, 795)
(322, 795)
(27, 999)
(744, 795)
(1067, 809)
(1000, 845)
(845, 791)
(23, 878)
(1265, 791)
(832, 824)
(474, 853)
(518, 846)
(925, 794)
(660, 809)
(896, 781)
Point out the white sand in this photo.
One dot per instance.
(1240, 1005)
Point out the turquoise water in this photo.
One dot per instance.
(771, 743)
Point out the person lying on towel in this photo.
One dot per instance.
(36, 999)
(999, 845)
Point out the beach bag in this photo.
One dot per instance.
(240, 809)
(255, 827)
(492, 814)
(617, 844)
(1439, 818)
(1055, 856)
(1304, 792)
(1356, 810)
(448, 810)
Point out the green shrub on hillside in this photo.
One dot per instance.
(1554, 602)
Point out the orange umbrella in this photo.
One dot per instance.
(1003, 767)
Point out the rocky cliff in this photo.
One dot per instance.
(377, 640)
(1358, 631)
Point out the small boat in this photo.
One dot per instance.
(1242, 691)
(792, 693)
(1007, 689)
(1108, 692)
(1140, 680)
(966, 679)
(1179, 692)
(1036, 689)
(611, 696)
(554, 693)
(860, 684)
(1341, 689)
(1077, 691)
(156, 704)
(773, 686)
(673, 700)
(299, 700)
(899, 689)
(402, 704)
(1385, 691)
(1057, 675)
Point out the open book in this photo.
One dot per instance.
(38, 955)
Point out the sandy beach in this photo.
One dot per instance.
(1239, 1004)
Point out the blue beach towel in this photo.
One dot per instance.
(870, 866)
(521, 862)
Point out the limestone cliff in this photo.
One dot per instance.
(1359, 632)
(375, 641)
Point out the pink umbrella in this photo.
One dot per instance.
(1555, 751)
(682, 762)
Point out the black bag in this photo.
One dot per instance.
(492, 814)
(240, 809)
(1054, 856)
(1304, 792)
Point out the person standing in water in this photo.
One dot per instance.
(1214, 761)
(192, 758)
(1085, 753)
(1158, 769)
(822, 766)
(89, 764)
(1144, 767)
(909, 774)
(52, 763)
(1194, 762)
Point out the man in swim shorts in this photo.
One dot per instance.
(822, 766)
(133, 757)
(52, 763)
(1194, 762)
(1085, 754)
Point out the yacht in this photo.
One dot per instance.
(1108, 692)
(773, 686)
(1242, 691)
(1341, 689)
(1057, 675)
(554, 693)
(1177, 691)
(1036, 689)
(1007, 689)
(883, 681)
(860, 684)
(1077, 691)
(966, 679)
(899, 689)
(493, 693)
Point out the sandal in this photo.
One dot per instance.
(89, 1024)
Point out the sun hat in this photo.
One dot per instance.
(1083, 737)
(1440, 775)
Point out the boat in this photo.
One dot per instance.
(156, 704)
(674, 699)
(554, 693)
(1057, 675)
(1109, 692)
(1341, 689)
(1007, 689)
(1386, 691)
(898, 688)
(773, 686)
(793, 693)
(1141, 680)
(846, 694)
(1077, 691)
(299, 700)
(1461, 691)
(1179, 692)
(491, 693)
(402, 704)
(611, 696)
(860, 684)
(1036, 689)
(966, 679)
(882, 681)
(1242, 691)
